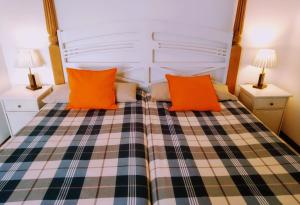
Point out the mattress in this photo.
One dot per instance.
(218, 158)
(78, 157)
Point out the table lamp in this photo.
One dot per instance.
(30, 58)
(265, 58)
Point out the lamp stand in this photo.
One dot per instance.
(32, 82)
(260, 83)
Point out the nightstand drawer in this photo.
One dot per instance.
(270, 103)
(18, 120)
(21, 105)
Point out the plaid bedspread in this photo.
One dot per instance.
(142, 154)
(218, 158)
(84, 157)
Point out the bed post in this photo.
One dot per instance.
(236, 47)
(52, 27)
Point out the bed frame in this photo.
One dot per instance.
(164, 49)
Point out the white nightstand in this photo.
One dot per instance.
(20, 105)
(267, 104)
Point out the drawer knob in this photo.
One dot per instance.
(271, 104)
(19, 106)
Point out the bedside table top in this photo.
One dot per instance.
(270, 91)
(21, 92)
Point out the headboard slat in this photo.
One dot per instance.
(159, 46)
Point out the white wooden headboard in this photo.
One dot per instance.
(145, 51)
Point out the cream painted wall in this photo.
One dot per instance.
(22, 25)
(275, 24)
(212, 13)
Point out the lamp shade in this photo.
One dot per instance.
(265, 58)
(29, 58)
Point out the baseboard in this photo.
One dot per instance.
(288, 140)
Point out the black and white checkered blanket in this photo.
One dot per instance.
(218, 158)
(142, 154)
(78, 157)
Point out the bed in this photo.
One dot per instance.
(218, 158)
(141, 153)
(78, 157)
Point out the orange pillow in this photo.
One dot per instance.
(192, 93)
(92, 89)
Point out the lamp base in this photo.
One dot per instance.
(260, 84)
(33, 85)
(33, 88)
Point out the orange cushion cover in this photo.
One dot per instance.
(92, 89)
(192, 93)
